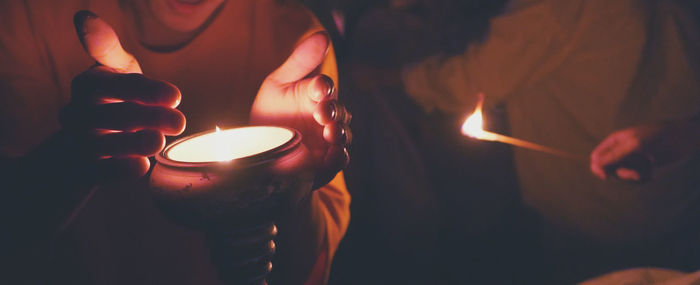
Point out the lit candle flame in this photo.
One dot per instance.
(223, 145)
(474, 125)
(220, 147)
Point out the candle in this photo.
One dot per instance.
(226, 181)
(229, 144)
(473, 127)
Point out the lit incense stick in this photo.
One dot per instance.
(473, 127)
(489, 136)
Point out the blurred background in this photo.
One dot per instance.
(421, 212)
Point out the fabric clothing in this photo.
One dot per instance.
(120, 238)
(647, 276)
(569, 73)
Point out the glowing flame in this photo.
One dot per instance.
(220, 146)
(474, 125)
(230, 144)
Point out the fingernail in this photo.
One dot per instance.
(333, 110)
(79, 20)
(81, 16)
(327, 36)
(343, 135)
(328, 85)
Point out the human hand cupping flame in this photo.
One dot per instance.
(117, 116)
(296, 96)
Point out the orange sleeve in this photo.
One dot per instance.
(333, 202)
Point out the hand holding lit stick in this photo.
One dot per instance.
(473, 127)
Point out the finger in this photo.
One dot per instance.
(341, 114)
(628, 174)
(123, 168)
(128, 116)
(331, 111)
(247, 236)
(100, 84)
(304, 59)
(335, 160)
(327, 112)
(141, 143)
(348, 136)
(348, 117)
(602, 150)
(598, 171)
(336, 134)
(604, 147)
(611, 152)
(102, 43)
(317, 88)
(635, 167)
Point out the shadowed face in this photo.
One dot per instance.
(184, 15)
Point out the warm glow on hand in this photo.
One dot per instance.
(296, 95)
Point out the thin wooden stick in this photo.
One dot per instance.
(489, 136)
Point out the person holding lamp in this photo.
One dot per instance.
(112, 118)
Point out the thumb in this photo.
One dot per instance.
(102, 43)
(304, 59)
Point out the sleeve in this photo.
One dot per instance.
(650, 275)
(29, 94)
(333, 204)
(522, 45)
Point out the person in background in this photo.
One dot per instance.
(225, 63)
(616, 79)
(613, 80)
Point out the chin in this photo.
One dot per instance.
(184, 15)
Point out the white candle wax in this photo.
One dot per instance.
(229, 144)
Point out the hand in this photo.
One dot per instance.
(117, 116)
(296, 96)
(630, 154)
(244, 255)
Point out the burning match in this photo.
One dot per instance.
(473, 127)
